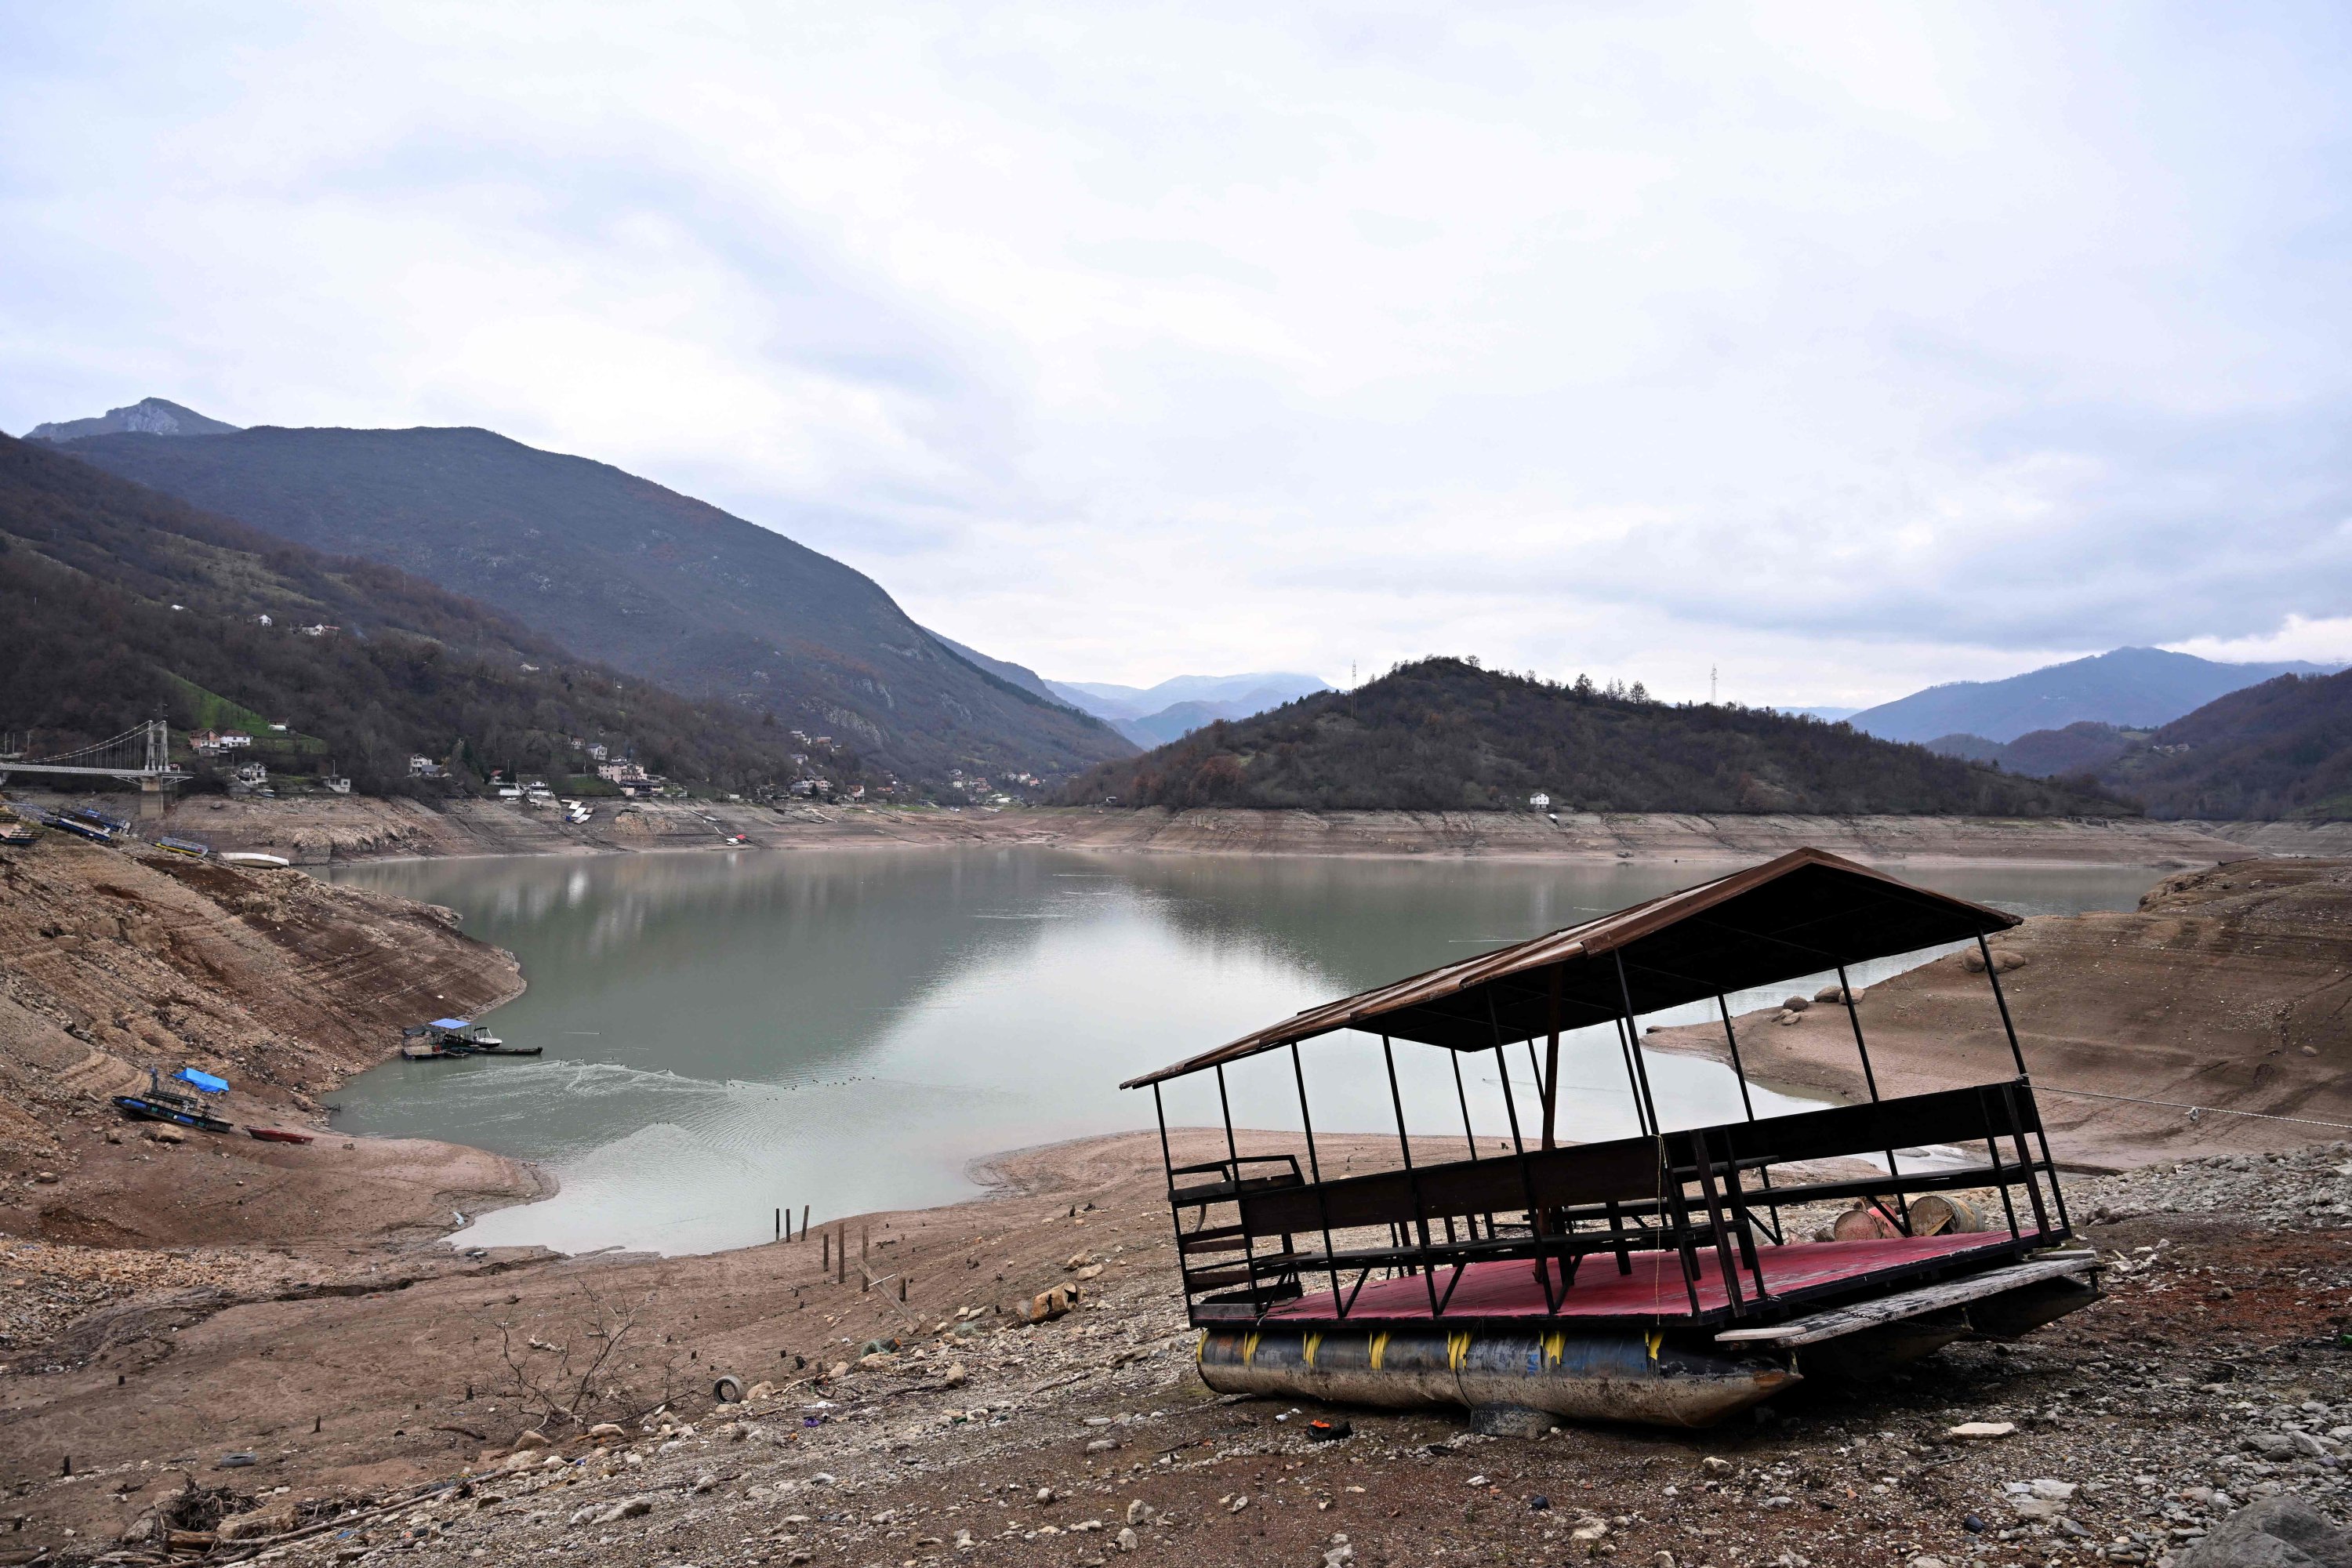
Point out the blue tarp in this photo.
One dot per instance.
(203, 1081)
(450, 1024)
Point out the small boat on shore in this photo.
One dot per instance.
(278, 1136)
(253, 859)
(161, 1104)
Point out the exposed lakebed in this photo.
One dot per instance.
(727, 1032)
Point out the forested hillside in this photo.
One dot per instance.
(2282, 749)
(1445, 735)
(118, 605)
(630, 575)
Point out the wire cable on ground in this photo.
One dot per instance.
(2194, 1111)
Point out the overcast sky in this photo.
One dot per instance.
(1846, 348)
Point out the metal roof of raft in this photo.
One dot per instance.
(1807, 912)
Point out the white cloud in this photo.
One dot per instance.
(1847, 347)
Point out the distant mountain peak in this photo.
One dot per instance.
(148, 417)
(2134, 687)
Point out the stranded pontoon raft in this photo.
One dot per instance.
(1659, 1278)
(176, 1106)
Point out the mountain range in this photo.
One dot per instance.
(623, 572)
(1445, 735)
(2136, 688)
(2281, 748)
(1153, 716)
(118, 605)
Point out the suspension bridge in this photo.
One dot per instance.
(142, 755)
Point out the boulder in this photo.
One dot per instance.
(2282, 1532)
(1830, 994)
(1048, 1305)
(533, 1439)
(1796, 1003)
(2005, 958)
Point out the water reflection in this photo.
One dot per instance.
(728, 1033)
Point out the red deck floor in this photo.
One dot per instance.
(1655, 1288)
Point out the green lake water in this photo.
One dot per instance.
(728, 1032)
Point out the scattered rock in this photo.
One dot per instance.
(533, 1439)
(1980, 1431)
(1049, 1305)
(1797, 1004)
(1126, 1539)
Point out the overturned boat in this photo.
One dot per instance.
(1658, 1277)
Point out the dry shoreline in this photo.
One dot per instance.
(327, 830)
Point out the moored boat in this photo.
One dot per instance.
(457, 1038)
(278, 1136)
(253, 859)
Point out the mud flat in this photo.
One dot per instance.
(317, 830)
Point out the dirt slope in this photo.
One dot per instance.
(2227, 988)
(113, 961)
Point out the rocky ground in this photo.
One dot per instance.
(318, 829)
(2218, 1370)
